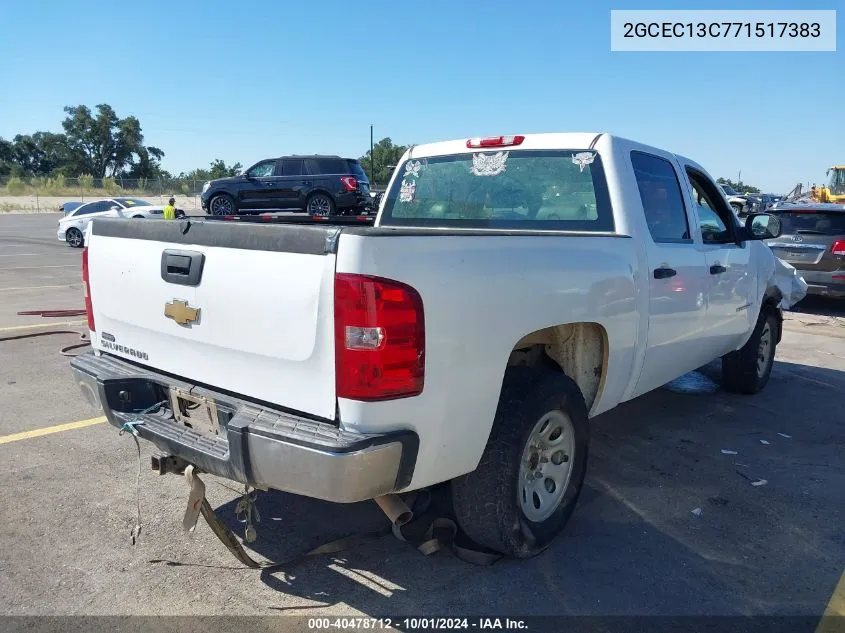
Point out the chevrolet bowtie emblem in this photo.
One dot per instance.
(180, 312)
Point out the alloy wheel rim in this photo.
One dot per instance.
(221, 206)
(319, 205)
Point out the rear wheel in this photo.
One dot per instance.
(74, 238)
(747, 369)
(526, 486)
(320, 204)
(222, 204)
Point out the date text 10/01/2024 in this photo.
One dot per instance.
(416, 624)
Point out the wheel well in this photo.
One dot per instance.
(320, 191)
(578, 349)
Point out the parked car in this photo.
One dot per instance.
(67, 207)
(466, 337)
(738, 201)
(813, 241)
(318, 185)
(761, 202)
(72, 226)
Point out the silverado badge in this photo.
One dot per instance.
(181, 312)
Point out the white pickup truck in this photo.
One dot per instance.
(509, 289)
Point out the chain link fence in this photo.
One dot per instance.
(45, 193)
(87, 187)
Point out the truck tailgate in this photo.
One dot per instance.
(264, 301)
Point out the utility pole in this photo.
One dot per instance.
(372, 158)
(739, 177)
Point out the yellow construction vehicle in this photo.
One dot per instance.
(835, 190)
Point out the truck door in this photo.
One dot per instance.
(676, 279)
(730, 285)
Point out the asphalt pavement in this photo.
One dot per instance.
(668, 524)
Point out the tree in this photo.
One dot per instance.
(386, 155)
(105, 145)
(6, 157)
(220, 170)
(217, 169)
(738, 186)
(39, 154)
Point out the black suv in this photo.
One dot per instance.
(318, 185)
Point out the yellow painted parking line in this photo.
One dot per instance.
(42, 325)
(5, 439)
(69, 286)
(834, 613)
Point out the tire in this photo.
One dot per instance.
(747, 369)
(489, 503)
(74, 238)
(222, 204)
(737, 208)
(320, 204)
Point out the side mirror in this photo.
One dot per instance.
(762, 226)
(115, 209)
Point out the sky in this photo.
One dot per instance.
(246, 81)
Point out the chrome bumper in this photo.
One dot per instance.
(262, 447)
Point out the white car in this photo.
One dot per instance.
(72, 226)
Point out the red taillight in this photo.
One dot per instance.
(838, 247)
(495, 141)
(379, 338)
(350, 183)
(89, 308)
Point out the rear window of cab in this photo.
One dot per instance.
(559, 190)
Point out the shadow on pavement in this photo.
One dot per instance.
(820, 306)
(667, 524)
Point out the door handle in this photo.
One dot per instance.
(716, 269)
(664, 273)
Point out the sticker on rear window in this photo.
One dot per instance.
(407, 191)
(582, 159)
(412, 168)
(489, 164)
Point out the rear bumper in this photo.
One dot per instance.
(822, 283)
(262, 447)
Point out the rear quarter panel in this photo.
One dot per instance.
(481, 294)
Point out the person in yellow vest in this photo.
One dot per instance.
(170, 210)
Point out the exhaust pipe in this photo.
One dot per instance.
(396, 510)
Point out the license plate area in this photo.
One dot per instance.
(195, 412)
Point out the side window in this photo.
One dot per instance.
(311, 167)
(94, 207)
(332, 166)
(662, 198)
(291, 167)
(263, 169)
(714, 216)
